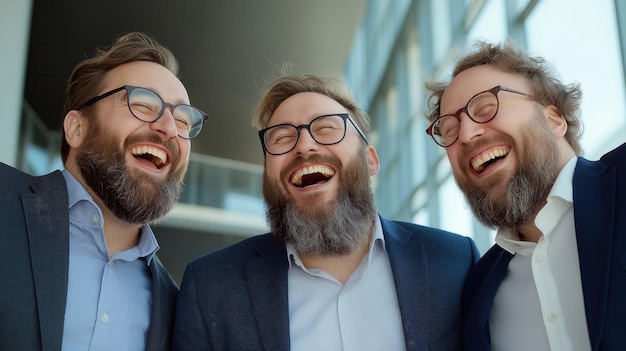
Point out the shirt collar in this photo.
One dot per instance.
(147, 245)
(559, 198)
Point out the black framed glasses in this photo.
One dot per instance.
(148, 106)
(481, 108)
(325, 130)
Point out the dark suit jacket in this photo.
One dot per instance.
(236, 298)
(599, 190)
(34, 242)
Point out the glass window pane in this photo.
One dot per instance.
(455, 214)
(490, 24)
(588, 53)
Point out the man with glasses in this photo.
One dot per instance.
(78, 263)
(332, 274)
(556, 277)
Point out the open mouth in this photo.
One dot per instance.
(156, 156)
(482, 161)
(312, 175)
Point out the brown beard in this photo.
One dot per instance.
(131, 197)
(335, 228)
(526, 192)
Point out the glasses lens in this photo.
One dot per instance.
(328, 130)
(280, 139)
(446, 130)
(325, 130)
(188, 121)
(483, 107)
(145, 104)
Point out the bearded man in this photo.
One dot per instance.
(332, 274)
(556, 277)
(79, 269)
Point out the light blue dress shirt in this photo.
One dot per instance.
(108, 299)
(361, 315)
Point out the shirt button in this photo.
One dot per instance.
(110, 264)
(552, 317)
(105, 318)
(539, 259)
(95, 218)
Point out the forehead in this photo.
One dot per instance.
(149, 75)
(475, 80)
(303, 107)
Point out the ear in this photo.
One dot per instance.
(373, 163)
(556, 120)
(75, 127)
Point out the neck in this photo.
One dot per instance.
(529, 232)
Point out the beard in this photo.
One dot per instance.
(131, 196)
(526, 192)
(336, 228)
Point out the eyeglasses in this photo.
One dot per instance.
(481, 108)
(148, 106)
(325, 130)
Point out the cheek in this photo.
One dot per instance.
(185, 149)
(453, 157)
(273, 167)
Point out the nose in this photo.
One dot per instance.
(469, 130)
(165, 124)
(305, 142)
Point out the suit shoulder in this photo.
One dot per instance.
(13, 177)
(238, 250)
(616, 156)
(425, 232)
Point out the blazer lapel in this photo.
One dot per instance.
(477, 332)
(47, 220)
(594, 213)
(266, 275)
(410, 273)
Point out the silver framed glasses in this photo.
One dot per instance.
(148, 106)
(481, 108)
(325, 130)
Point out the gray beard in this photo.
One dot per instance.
(338, 228)
(527, 191)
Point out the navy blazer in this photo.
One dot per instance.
(236, 298)
(34, 242)
(599, 190)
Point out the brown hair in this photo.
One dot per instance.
(546, 88)
(284, 87)
(86, 78)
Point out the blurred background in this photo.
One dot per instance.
(229, 50)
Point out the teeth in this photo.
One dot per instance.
(480, 160)
(150, 150)
(297, 177)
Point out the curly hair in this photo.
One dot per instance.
(546, 87)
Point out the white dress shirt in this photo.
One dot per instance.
(539, 305)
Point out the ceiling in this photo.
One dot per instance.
(227, 50)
